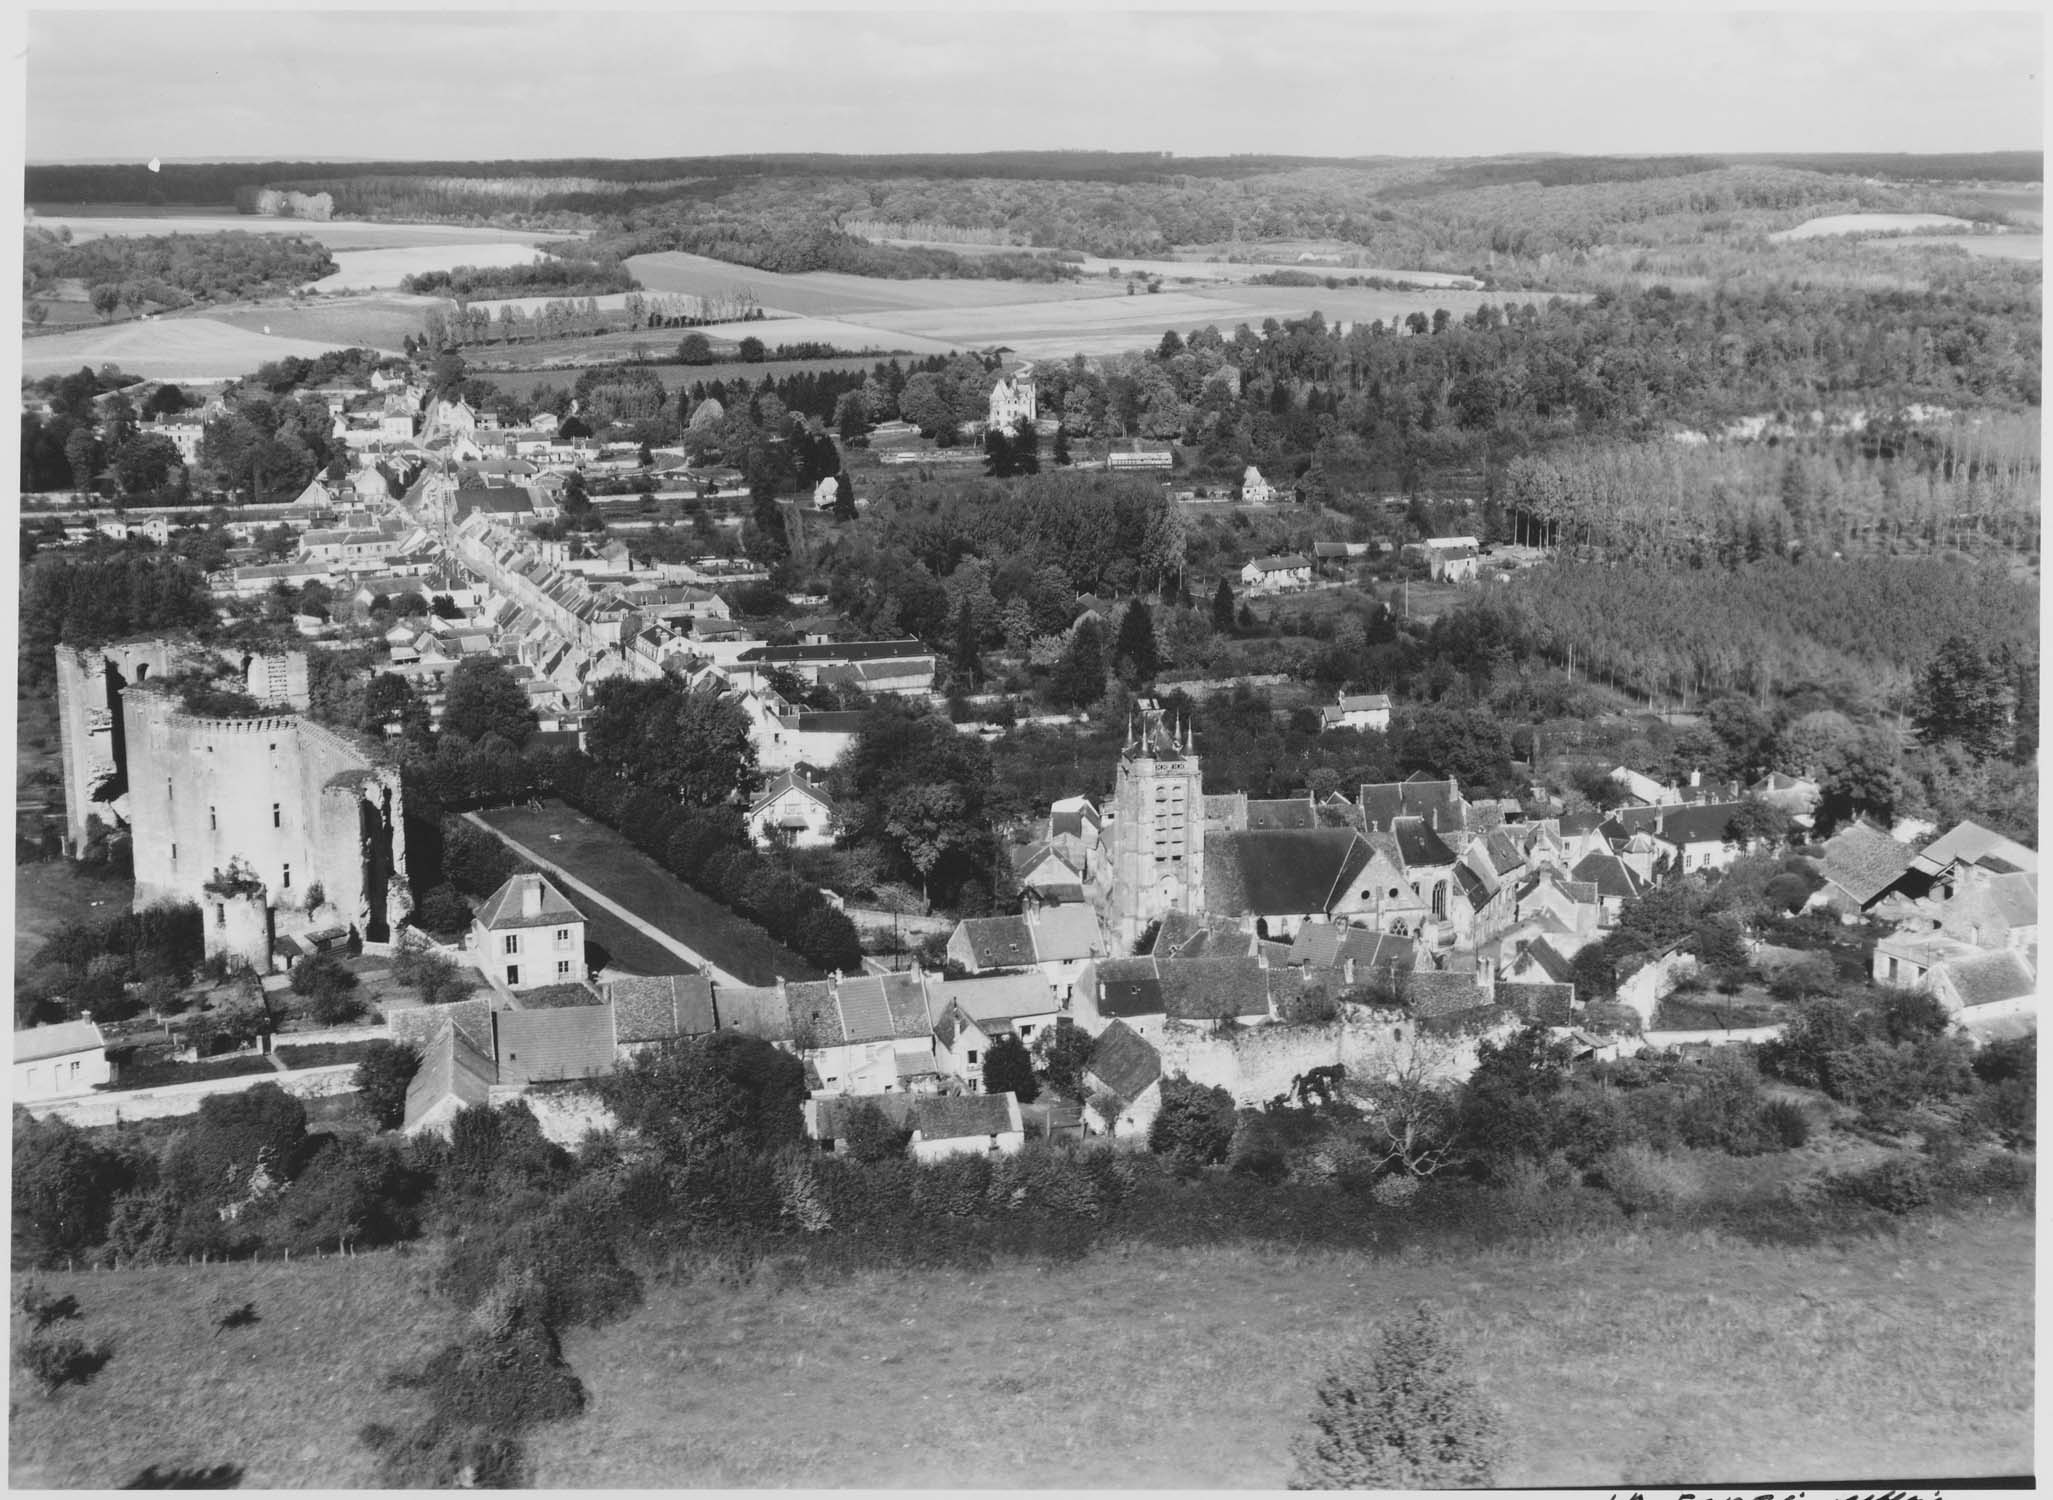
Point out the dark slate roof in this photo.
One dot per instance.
(1612, 877)
(1208, 989)
(1438, 802)
(1128, 987)
(557, 996)
(1327, 945)
(841, 651)
(1864, 861)
(1549, 1004)
(1974, 844)
(659, 1008)
(946, 1117)
(1280, 873)
(502, 911)
(1432, 993)
(1124, 1061)
(756, 1009)
(1991, 977)
(842, 722)
(999, 942)
(1549, 960)
(1281, 812)
(471, 1018)
(1702, 823)
(450, 1068)
(537, 1045)
(1419, 846)
(1183, 935)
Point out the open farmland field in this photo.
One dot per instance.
(280, 1400)
(842, 333)
(1812, 229)
(89, 223)
(378, 270)
(1645, 1358)
(1197, 269)
(625, 344)
(375, 322)
(202, 348)
(2001, 246)
(831, 294)
(676, 377)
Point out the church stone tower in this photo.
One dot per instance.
(1158, 829)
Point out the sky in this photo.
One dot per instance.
(502, 83)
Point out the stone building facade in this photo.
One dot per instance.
(1157, 830)
(273, 825)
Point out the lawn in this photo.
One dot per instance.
(611, 865)
(1641, 1358)
(280, 1400)
(380, 321)
(55, 891)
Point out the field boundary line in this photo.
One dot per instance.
(647, 929)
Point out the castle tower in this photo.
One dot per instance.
(1158, 829)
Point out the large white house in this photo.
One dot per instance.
(1013, 398)
(67, 1058)
(1272, 575)
(791, 810)
(528, 934)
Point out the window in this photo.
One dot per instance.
(174, 854)
(513, 973)
(285, 881)
(563, 937)
(212, 821)
(275, 820)
(510, 944)
(562, 968)
(220, 914)
(971, 1055)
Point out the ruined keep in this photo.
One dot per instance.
(90, 728)
(272, 825)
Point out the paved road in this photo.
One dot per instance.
(698, 960)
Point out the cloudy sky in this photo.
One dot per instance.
(506, 83)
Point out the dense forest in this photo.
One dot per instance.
(172, 270)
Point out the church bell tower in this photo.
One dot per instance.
(1158, 828)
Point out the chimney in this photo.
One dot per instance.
(531, 896)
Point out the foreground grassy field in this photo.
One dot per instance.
(611, 865)
(1615, 1357)
(281, 1399)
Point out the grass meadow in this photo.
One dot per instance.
(611, 865)
(1616, 1357)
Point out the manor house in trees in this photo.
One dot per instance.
(1013, 399)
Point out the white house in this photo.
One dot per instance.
(1357, 711)
(791, 810)
(1273, 575)
(940, 1125)
(527, 934)
(1013, 398)
(67, 1058)
(1122, 1082)
(1254, 489)
(1453, 559)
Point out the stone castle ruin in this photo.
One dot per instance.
(275, 826)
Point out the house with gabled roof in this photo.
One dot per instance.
(554, 1044)
(1274, 881)
(1058, 940)
(1537, 960)
(1369, 711)
(453, 1075)
(1437, 804)
(1119, 989)
(941, 1125)
(791, 811)
(1989, 994)
(865, 1033)
(528, 933)
(651, 1010)
(66, 1057)
(1275, 575)
(1862, 865)
(1196, 935)
(1690, 837)
(1122, 1082)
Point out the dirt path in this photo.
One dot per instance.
(656, 934)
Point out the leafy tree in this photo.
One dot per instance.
(1009, 1070)
(966, 660)
(82, 451)
(1063, 1051)
(237, 1143)
(329, 988)
(1134, 657)
(146, 463)
(844, 498)
(691, 744)
(724, 1090)
(695, 349)
(1222, 608)
(105, 297)
(1964, 694)
(483, 698)
(382, 1079)
(1079, 677)
(434, 978)
(1403, 1418)
(64, 1187)
(1194, 1123)
(871, 1137)
(750, 350)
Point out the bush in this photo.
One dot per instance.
(444, 911)
(1784, 1121)
(1402, 1419)
(871, 1136)
(437, 980)
(1644, 1180)
(54, 1360)
(382, 1079)
(1194, 1123)
(1897, 1185)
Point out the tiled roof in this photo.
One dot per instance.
(1328, 945)
(1183, 935)
(1989, 978)
(835, 1111)
(1128, 987)
(538, 1045)
(1008, 995)
(451, 1068)
(998, 942)
(1864, 861)
(1702, 823)
(1124, 1062)
(1282, 873)
(788, 781)
(1208, 989)
(944, 1117)
(1282, 812)
(1432, 993)
(1419, 845)
(1971, 843)
(472, 1019)
(1612, 877)
(1289, 562)
(57, 1040)
(1549, 960)
(660, 1007)
(758, 1010)
(1065, 934)
(502, 909)
(2015, 898)
(1438, 802)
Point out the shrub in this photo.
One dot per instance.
(56, 1360)
(2010, 1111)
(1194, 1123)
(1403, 1418)
(443, 910)
(1896, 1185)
(1009, 1070)
(1644, 1180)
(382, 1079)
(437, 980)
(1395, 1191)
(871, 1136)
(1784, 1121)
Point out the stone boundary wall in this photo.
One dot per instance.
(110, 1108)
(1257, 1064)
(1715, 1038)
